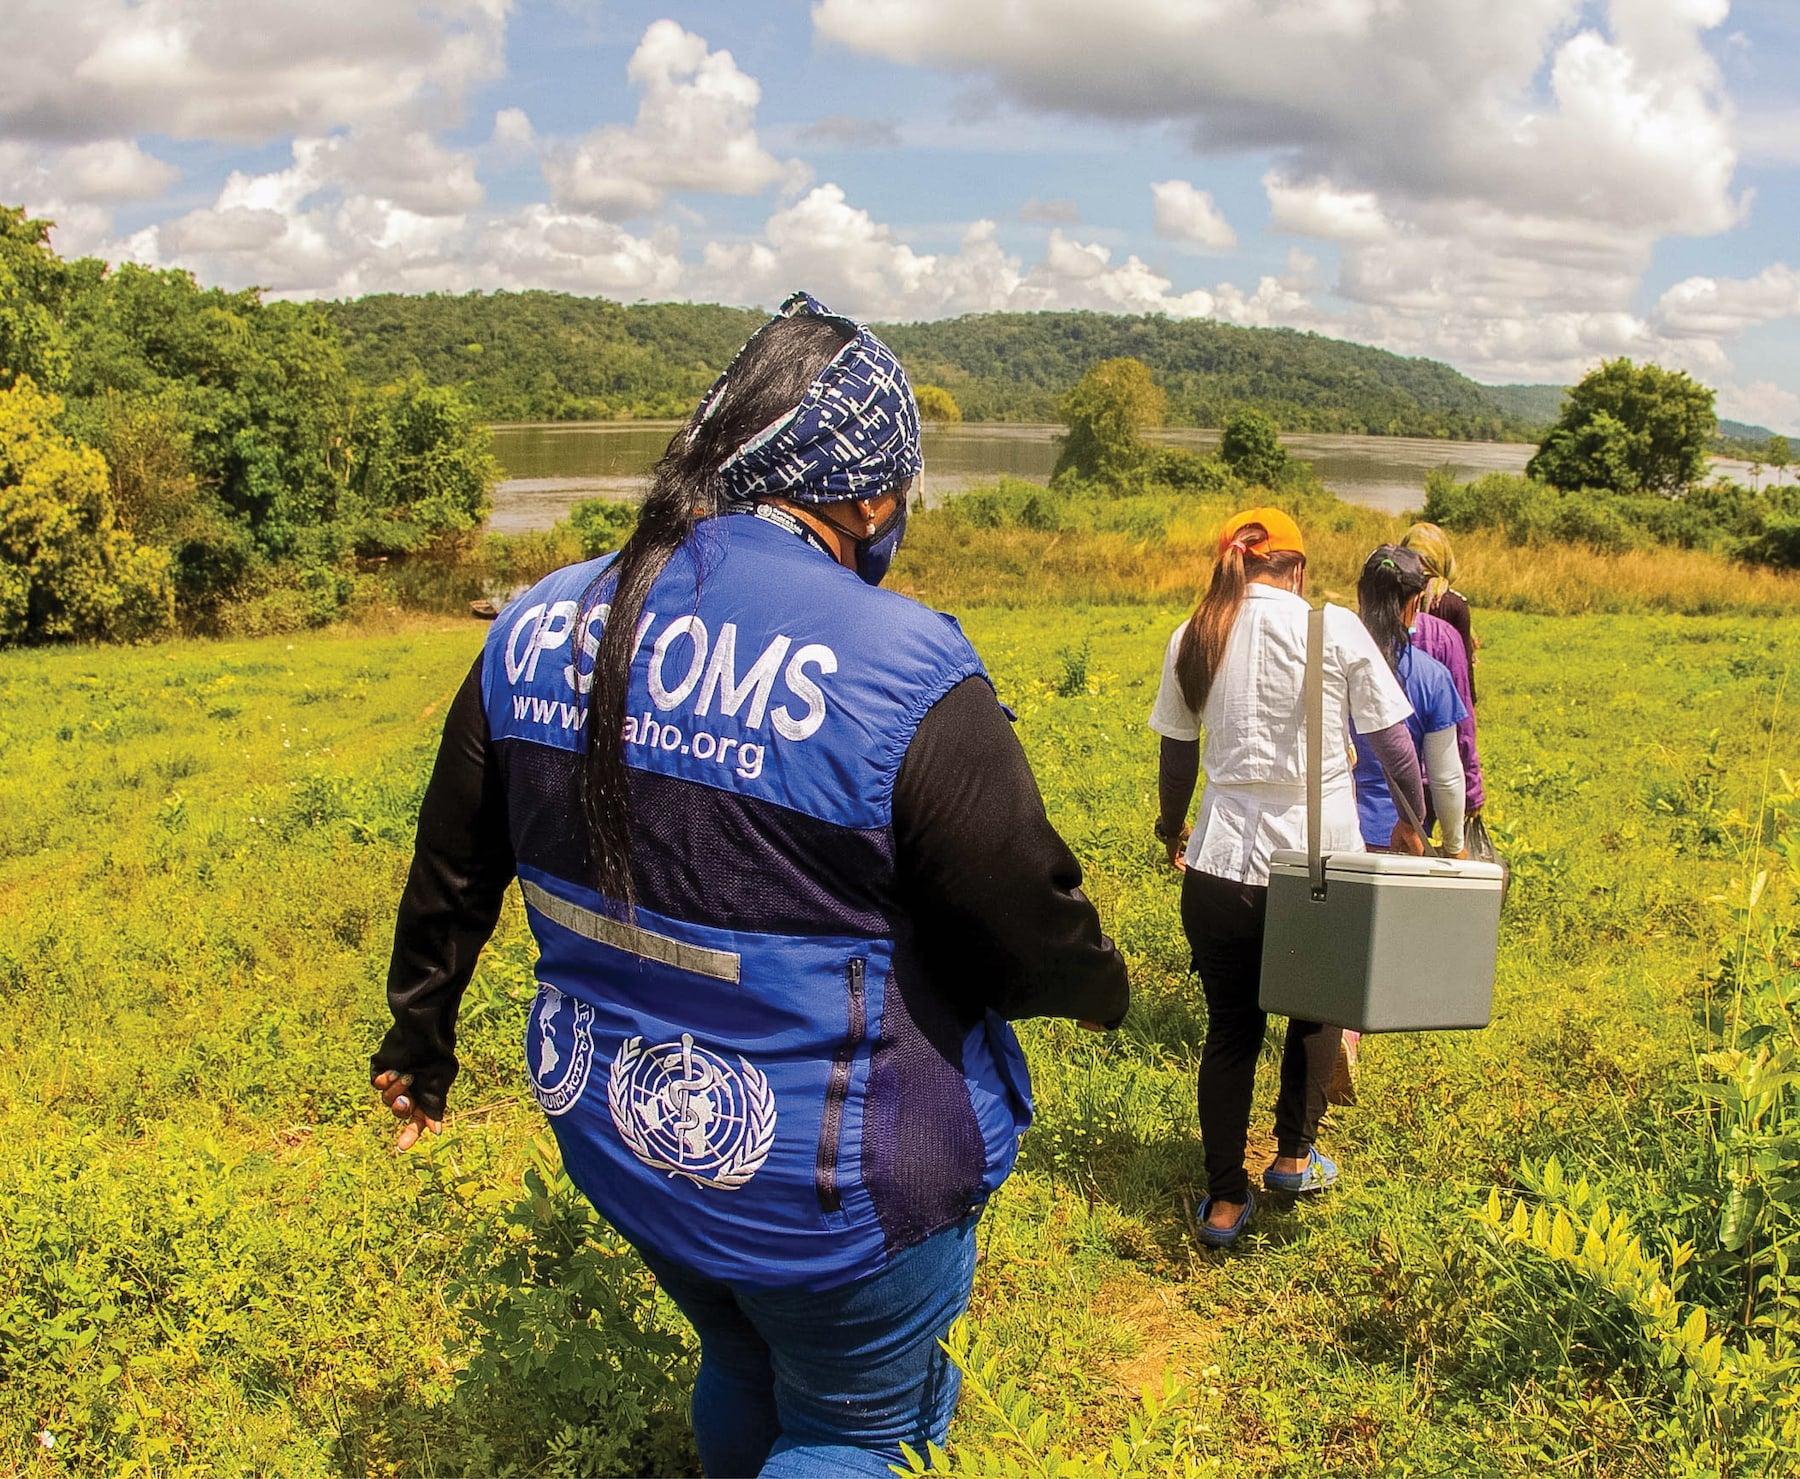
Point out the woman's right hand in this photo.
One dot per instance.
(1407, 839)
(396, 1092)
(1176, 847)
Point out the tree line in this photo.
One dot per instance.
(169, 452)
(530, 356)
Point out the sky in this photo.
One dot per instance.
(1521, 188)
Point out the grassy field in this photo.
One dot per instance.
(210, 1262)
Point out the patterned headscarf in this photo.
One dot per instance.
(1432, 546)
(854, 434)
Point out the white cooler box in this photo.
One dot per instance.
(1397, 943)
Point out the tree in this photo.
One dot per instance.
(1105, 412)
(427, 468)
(66, 568)
(1780, 456)
(1251, 447)
(34, 291)
(1629, 428)
(936, 404)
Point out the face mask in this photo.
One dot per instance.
(876, 553)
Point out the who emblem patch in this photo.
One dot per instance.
(686, 1111)
(559, 1049)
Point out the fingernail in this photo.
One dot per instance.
(403, 1104)
(406, 1078)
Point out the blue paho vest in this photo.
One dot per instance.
(751, 1076)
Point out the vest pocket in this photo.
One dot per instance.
(837, 1090)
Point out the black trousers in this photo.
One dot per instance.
(1224, 923)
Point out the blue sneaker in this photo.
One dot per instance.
(1223, 1237)
(1318, 1173)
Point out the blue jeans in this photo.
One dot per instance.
(798, 1383)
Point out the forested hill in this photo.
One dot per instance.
(551, 356)
(1013, 366)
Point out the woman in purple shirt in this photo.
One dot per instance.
(1432, 545)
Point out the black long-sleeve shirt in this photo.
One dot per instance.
(991, 890)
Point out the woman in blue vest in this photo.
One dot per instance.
(790, 878)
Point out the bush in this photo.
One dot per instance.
(1722, 516)
(427, 469)
(66, 568)
(1581, 518)
(1777, 545)
(1014, 504)
(517, 560)
(1189, 472)
(1251, 448)
(577, 1364)
(937, 405)
(602, 525)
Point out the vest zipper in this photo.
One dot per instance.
(837, 1090)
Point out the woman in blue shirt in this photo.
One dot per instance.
(1388, 595)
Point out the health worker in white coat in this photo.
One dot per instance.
(1236, 670)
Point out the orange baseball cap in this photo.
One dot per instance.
(1280, 531)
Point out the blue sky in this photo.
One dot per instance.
(1518, 189)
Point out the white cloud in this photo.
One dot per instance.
(512, 129)
(1430, 98)
(1493, 178)
(859, 266)
(1761, 403)
(322, 228)
(1319, 209)
(114, 169)
(77, 187)
(1711, 307)
(1189, 216)
(80, 70)
(840, 254)
(695, 130)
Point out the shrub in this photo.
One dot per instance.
(1251, 448)
(1189, 472)
(427, 469)
(577, 1364)
(68, 569)
(1585, 519)
(937, 404)
(1014, 504)
(602, 525)
(1778, 545)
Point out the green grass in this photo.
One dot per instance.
(210, 1262)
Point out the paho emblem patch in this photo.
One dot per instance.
(686, 1111)
(559, 1049)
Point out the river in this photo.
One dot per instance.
(551, 465)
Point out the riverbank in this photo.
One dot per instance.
(552, 465)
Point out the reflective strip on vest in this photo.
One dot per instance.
(721, 965)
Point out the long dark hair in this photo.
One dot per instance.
(1209, 628)
(766, 380)
(1390, 578)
